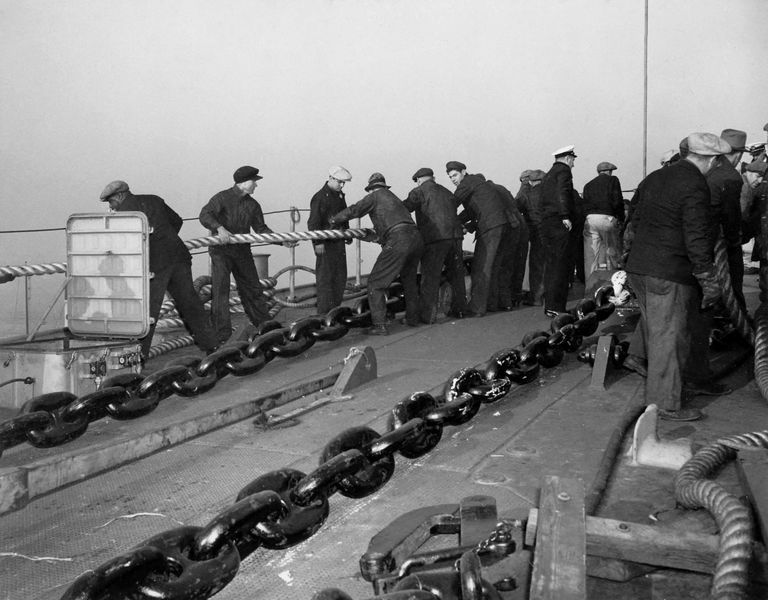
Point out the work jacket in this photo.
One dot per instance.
(165, 245)
(602, 196)
(672, 224)
(482, 203)
(323, 205)
(385, 209)
(435, 209)
(235, 211)
(557, 193)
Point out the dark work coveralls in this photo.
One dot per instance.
(557, 197)
(484, 206)
(239, 213)
(401, 249)
(529, 204)
(331, 265)
(440, 230)
(171, 265)
(518, 245)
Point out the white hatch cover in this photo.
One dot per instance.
(108, 268)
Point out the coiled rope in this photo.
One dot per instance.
(731, 578)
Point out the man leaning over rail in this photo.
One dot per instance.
(401, 249)
(233, 211)
(170, 263)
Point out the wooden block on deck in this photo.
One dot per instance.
(752, 466)
(559, 564)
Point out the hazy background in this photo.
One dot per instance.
(172, 96)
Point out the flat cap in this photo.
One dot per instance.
(113, 187)
(606, 166)
(564, 151)
(423, 172)
(736, 138)
(376, 180)
(525, 175)
(536, 175)
(707, 144)
(246, 174)
(455, 165)
(757, 166)
(340, 173)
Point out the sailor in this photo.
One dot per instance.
(169, 262)
(529, 203)
(401, 249)
(604, 210)
(725, 184)
(229, 212)
(330, 255)
(671, 270)
(440, 229)
(485, 213)
(507, 295)
(558, 214)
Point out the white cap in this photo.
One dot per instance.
(340, 173)
(707, 144)
(666, 156)
(565, 150)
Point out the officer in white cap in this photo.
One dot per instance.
(671, 270)
(330, 255)
(558, 212)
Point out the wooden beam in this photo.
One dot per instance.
(559, 563)
(651, 545)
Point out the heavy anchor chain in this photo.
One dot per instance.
(282, 508)
(56, 418)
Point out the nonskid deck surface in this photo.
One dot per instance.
(556, 426)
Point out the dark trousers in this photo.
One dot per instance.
(486, 247)
(536, 258)
(500, 289)
(736, 269)
(330, 276)
(176, 279)
(400, 253)
(518, 264)
(557, 263)
(235, 260)
(437, 254)
(664, 336)
(576, 252)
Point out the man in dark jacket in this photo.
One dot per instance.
(604, 212)
(234, 211)
(401, 249)
(671, 267)
(441, 232)
(513, 262)
(529, 204)
(725, 190)
(169, 262)
(558, 215)
(485, 213)
(330, 255)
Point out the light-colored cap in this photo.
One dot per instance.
(340, 173)
(707, 144)
(113, 187)
(665, 158)
(564, 151)
(606, 166)
(757, 166)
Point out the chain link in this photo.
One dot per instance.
(284, 507)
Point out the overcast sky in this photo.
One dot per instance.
(172, 96)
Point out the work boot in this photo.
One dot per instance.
(378, 330)
(636, 364)
(551, 313)
(709, 388)
(682, 414)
